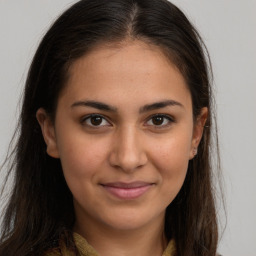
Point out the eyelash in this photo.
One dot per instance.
(89, 117)
(165, 117)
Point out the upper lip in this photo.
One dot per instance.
(135, 184)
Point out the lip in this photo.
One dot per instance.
(127, 191)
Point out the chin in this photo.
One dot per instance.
(131, 220)
(126, 224)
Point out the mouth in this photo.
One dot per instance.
(127, 191)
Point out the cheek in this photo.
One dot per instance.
(171, 159)
(173, 166)
(172, 151)
(82, 163)
(81, 158)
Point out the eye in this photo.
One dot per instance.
(160, 120)
(95, 121)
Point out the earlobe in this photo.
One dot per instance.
(48, 132)
(198, 131)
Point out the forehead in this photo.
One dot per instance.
(123, 73)
(126, 55)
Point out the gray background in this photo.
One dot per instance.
(229, 30)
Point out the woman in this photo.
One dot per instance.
(114, 137)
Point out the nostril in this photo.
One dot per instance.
(129, 161)
(127, 153)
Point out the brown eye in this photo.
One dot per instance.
(95, 121)
(158, 120)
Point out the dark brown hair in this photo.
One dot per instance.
(40, 208)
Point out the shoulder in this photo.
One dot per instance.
(170, 249)
(53, 252)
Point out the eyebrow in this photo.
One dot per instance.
(109, 108)
(158, 105)
(94, 104)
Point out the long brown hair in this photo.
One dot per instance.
(40, 208)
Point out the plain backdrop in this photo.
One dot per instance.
(228, 28)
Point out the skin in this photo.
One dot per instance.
(126, 145)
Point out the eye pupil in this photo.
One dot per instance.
(157, 120)
(96, 120)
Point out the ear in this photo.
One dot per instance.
(198, 131)
(48, 132)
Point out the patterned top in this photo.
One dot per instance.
(87, 250)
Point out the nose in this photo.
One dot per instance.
(127, 151)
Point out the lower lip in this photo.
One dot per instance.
(127, 193)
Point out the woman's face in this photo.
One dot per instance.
(124, 133)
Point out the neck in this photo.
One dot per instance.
(144, 241)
